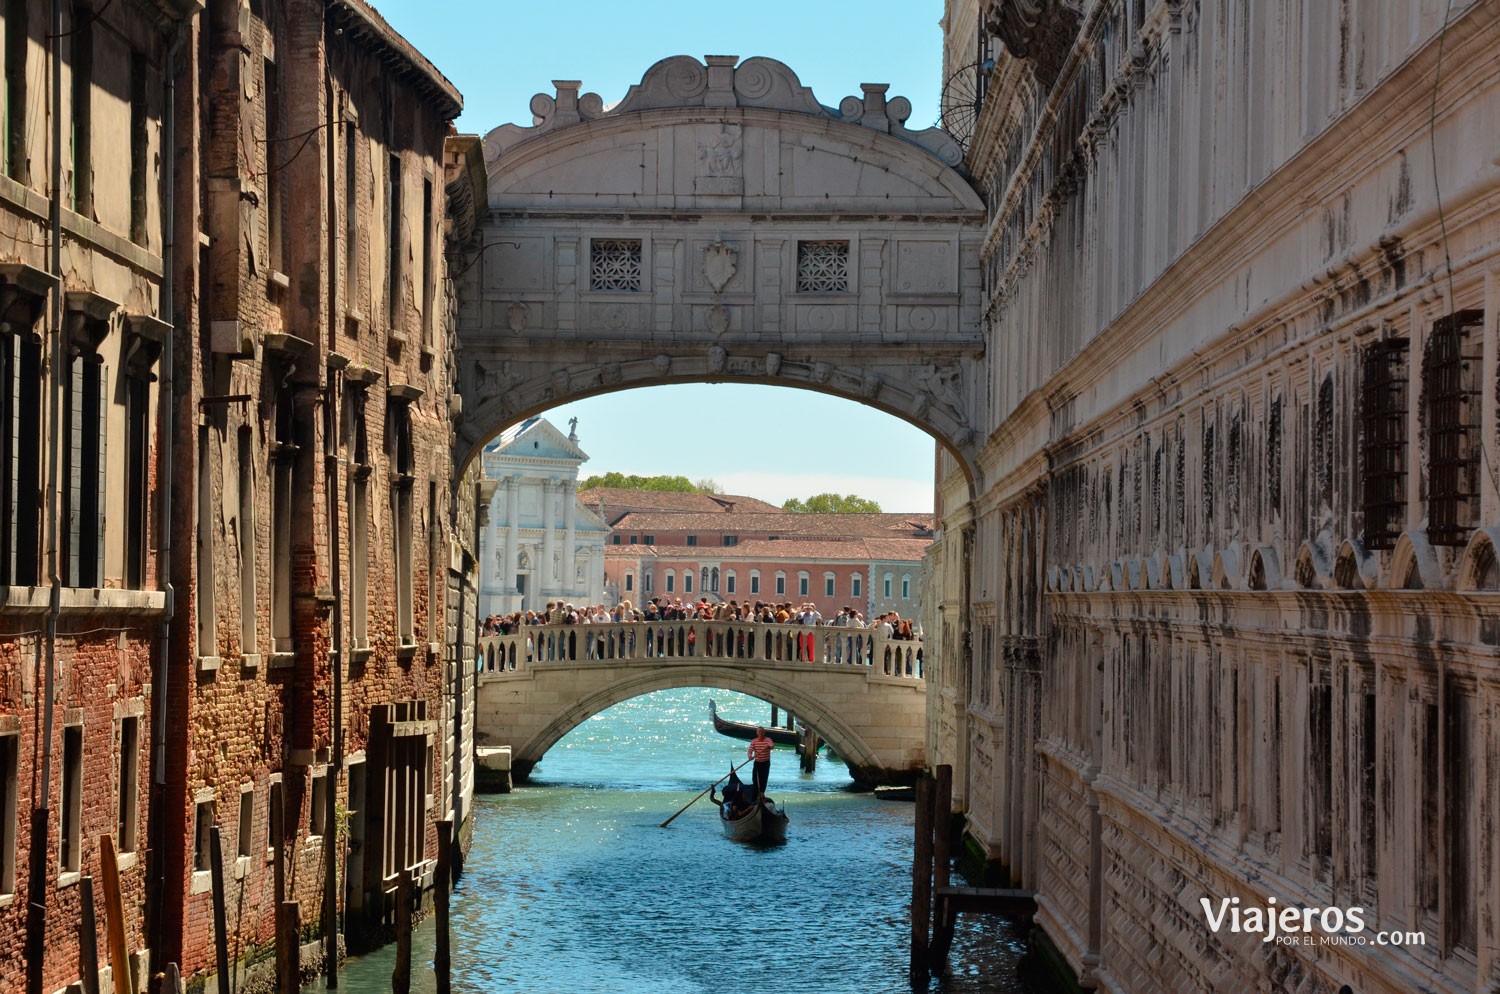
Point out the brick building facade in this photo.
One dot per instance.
(84, 265)
(234, 571)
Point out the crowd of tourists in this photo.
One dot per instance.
(889, 624)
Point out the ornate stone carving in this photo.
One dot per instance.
(682, 81)
(721, 154)
(718, 319)
(1039, 30)
(945, 383)
(821, 371)
(717, 358)
(719, 265)
(870, 384)
(515, 316)
(662, 363)
(611, 373)
(773, 363)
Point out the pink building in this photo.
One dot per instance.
(872, 575)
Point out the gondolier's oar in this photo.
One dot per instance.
(705, 791)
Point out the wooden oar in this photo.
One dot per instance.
(705, 791)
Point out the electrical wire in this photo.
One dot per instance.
(1437, 189)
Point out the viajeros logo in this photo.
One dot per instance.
(1296, 926)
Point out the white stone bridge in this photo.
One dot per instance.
(862, 693)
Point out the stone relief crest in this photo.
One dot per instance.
(718, 319)
(663, 364)
(516, 315)
(945, 384)
(716, 358)
(773, 363)
(719, 266)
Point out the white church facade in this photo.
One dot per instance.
(539, 544)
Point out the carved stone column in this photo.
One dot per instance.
(569, 579)
(512, 531)
(548, 571)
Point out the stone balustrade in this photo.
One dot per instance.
(752, 642)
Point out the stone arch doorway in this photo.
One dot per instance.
(719, 224)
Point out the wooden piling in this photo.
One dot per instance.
(171, 981)
(88, 937)
(775, 716)
(944, 917)
(114, 917)
(921, 881)
(221, 904)
(401, 975)
(441, 961)
(288, 947)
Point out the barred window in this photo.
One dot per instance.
(1450, 380)
(823, 267)
(1384, 443)
(615, 264)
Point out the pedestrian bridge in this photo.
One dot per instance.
(861, 692)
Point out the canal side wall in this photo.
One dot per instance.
(1218, 626)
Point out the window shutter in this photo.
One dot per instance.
(12, 387)
(101, 427)
(74, 481)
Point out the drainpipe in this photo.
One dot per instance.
(166, 403)
(41, 816)
(332, 382)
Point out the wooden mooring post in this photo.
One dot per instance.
(401, 975)
(288, 946)
(921, 882)
(441, 959)
(114, 917)
(942, 857)
(221, 914)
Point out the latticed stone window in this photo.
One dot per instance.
(615, 264)
(1451, 383)
(823, 267)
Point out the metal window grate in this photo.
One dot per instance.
(615, 264)
(1451, 385)
(1384, 443)
(823, 267)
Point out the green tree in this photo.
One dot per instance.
(832, 504)
(672, 484)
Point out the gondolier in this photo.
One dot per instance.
(760, 751)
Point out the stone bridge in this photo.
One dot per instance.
(720, 224)
(863, 693)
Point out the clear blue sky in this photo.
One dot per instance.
(501, 52)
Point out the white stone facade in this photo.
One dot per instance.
(1220, 622)
(539, 543)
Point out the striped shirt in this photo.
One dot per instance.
(760, 749)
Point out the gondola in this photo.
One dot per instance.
(764, 822)
(745, 730)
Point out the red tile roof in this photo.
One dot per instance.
(618, 501)
(856, 550)
(780, 523)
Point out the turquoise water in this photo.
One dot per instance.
(572, 886)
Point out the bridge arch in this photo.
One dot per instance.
(864, 763)
(720, 224)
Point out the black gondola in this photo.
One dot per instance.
(746, 730)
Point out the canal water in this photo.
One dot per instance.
(571, 886)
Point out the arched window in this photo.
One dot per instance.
(729, 581)
(802, 583)
(687, 581)
(629, 582)
(905, 587)
(830, 585)
(886, 587)
(646, 581)
(671, 578)
(780, 582)
(755, 581)
(856, 585)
